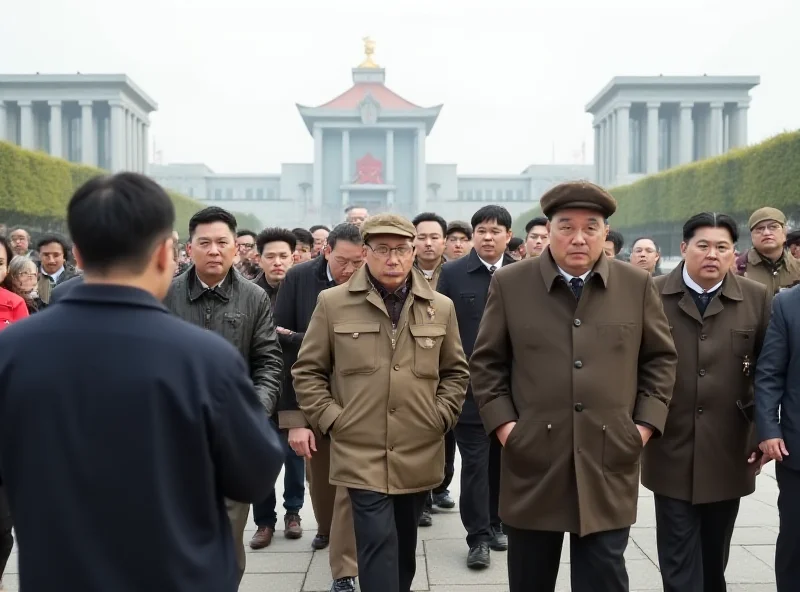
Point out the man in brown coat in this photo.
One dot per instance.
(382, 373)
(707, 458)
(573, 371)
(768, 262)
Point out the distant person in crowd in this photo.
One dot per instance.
(516, 248)
(356, 215)
(276, 247)
(246, 261)
(144, 423)
(536, 236)
(646, 254)
(613, 244)
(793, 243)
(21, 243)
(429, 245)
(466, 283)
(55, 268)
(767, 261)
(21, 280)
(777, 400)
(573, 393)
(458, 240)
(707, 458)
(320, 234)
(304, 242)
(212, 295)
(385, 341)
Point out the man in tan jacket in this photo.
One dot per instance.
(382, 373)
(573, 370)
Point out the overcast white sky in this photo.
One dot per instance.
(513, 75)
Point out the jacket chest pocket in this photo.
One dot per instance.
(356, 347)
(617, 336)
(233, 328)
(427, 345)
(743, 342)
(468, 305)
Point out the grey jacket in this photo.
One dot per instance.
(239, 311)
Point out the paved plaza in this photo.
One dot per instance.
(291, 566)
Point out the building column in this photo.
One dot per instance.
(129, 145)
(596, 152)
(623, 141)
(137, 145)
(612, 148)
(652, 137)
(715, 143)
(739, 130)
(318, 168)
(686, 135)
(422, 188)
(3, 121)
(26, 134)
(145, 147)
(390, 167)
(87, 137)
(117, 136)
(56, 143)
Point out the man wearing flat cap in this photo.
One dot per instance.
(768, 262)
(381, 371)
(573, 370)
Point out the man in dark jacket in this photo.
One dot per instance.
(214, 296)
(139, 429)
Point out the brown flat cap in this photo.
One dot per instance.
(764, 214)
(459, 226)
(578, 195)
(387, 224)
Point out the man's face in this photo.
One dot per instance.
(276, 259)
(320, 236)
(429, 242)
(644, 254)
(708, 255)
(344, 259)
(491, 240)
(390, 269)
(576, 240)
(302, 252)
(457, 245)
(795, 250)
(19, 242)
(212, 250)
(357, 216)
(768, 236)
(609, 250)
(246, 247)
(537, 240)
(52, 256)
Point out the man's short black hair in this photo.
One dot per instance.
(209, 216)
(246, 232)
(49, 239)
(346, 232)
(492, 213)
(316, 227)
(793, 238)
(710, 220)
(514, 244)
(617, 239)
(116, 221)
(430, 217)
(302, 235)
(274, 235)
(537, 221)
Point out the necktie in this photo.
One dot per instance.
(577, 287)
(702, 301)
(492, 269)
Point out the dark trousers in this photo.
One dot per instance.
(787, 552)
(474, 501)
(294, 489)
(694, 541)
(449, 462)
(495, 453)
(596, 560)
(386, 538)
(6, 538)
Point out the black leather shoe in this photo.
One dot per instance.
(426, 519)
(499, 540)
(478, 556)
(320, 541)
(344, 585)
(443, 500)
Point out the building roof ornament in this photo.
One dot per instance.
(369, 108)
(369, 51)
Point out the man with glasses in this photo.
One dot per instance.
(247, 256)
(458, 240)
(341, 257)
(383, 375)
(767, 262)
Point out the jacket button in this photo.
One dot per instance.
(391, 411)
(703, 337)
(397, 366)
(577, 322)
(355, 335)
(578, 407)
(391, 448)
(578, 364)
(702, 372)
(700, 411)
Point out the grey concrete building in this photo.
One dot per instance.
(96, 119)
(646, 124)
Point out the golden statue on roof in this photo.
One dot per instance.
(369, 50)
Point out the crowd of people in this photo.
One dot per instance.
(359, 359)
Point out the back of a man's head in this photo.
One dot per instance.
(121, 226)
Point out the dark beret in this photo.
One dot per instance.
(578, 195)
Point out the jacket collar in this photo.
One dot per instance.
(195, 289)
(261, 281)
(474, 262)
(550, 271)
(112, 294)
(675, 285)
(420, 287)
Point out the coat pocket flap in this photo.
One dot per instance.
(427, 330)
(357, 327)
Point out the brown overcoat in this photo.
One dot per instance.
(787, 275)
(702, 455)
(575, 376)
(385, 408)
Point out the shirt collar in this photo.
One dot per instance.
(488, 265)
(694, 286)
(55, 275)
(328, 271)
(569, 277)
(206, 286)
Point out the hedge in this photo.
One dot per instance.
(35, 189)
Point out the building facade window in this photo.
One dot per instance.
(498, 195)
(229, 193)
(259, 194)
(270, 194)
(218, 194)
(248, 194)
(509, 194)
(191, 191)
(519, 196)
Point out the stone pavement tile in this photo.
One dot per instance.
(318, 577)
(12, 566)
(263, 563)
(753, 535)
(755, 513)
(751, 587)
(272, 582)
(455, 588)
(280, 544)
(645, 540)
(447, 566)
(421, 576)
(746, 568)
(643, 575)
(445, 526)
(765, 553)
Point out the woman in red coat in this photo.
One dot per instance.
(12, 306)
